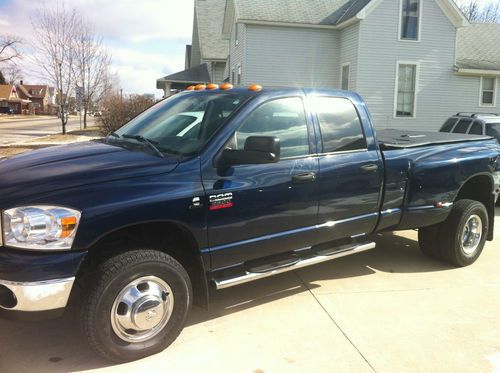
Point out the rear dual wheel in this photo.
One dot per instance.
(460, 239)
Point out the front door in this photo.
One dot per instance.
(259, 210)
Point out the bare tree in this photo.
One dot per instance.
(477, 11)
(92, 65)
(55, 35)
(9, 48)
(13, 74)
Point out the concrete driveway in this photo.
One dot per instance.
(386, 310)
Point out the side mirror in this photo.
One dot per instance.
(257, 150)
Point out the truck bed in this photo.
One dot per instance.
(398, 139)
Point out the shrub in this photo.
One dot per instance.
(118, 111)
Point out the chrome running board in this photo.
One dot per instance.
(248, 276)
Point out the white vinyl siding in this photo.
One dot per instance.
(406, 90)
(286, 56)
(237, 50)
(487, 92)
(440, 92)
(349, 45)
(344, 80)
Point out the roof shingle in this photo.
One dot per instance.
(478, 46)
(210, 16)
(285, 11)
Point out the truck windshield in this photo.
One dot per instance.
(182, 124)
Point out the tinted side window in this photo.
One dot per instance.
(284, 118)
(476, 129)
(340, 125)
(448, 125)
(462, 126)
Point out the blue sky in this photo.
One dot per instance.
(146, 38)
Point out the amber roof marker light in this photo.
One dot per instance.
(190, 88)
(226, 86)
(200, 87)
(212, 86)
(255, 88)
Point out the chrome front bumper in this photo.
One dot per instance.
(35, 296)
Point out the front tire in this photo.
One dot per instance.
(463, 235)
(136, 305)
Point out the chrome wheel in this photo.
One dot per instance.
(142, 309)
(471, 235)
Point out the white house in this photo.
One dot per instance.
(415, 62)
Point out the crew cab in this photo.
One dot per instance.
(218, 186)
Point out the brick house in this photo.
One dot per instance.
(9, 96)
(38, 95)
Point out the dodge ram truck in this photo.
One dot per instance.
(218, 186)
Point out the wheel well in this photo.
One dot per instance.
(170, 238)
(480, 188)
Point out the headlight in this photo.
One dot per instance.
(40, 227)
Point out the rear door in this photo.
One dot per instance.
(351, 169)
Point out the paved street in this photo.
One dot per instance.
(18, 130)
(387, 310)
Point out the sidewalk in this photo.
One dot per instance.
(23, 118)
(12, 149)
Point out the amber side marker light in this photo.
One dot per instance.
(68, 225)
(212, 86)
(255, 87)
(190, 88)
(226, 86)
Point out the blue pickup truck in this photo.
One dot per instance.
(219, 186)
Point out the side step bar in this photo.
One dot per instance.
(247, 276)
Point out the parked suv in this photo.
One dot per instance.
(474, 124)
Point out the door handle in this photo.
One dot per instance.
(372, 167)
(306, 177)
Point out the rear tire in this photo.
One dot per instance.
(135, 305)
(463, 234)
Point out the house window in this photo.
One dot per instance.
(345, 77)
(406, 90)
(239, 75)
(410, 19)
(232, 76)
(488, 91)
(236, 41)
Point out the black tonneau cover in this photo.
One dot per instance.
(397, 139)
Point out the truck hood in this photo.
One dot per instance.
(70, 166)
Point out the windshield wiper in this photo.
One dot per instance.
(114, 134)
(152, 144)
